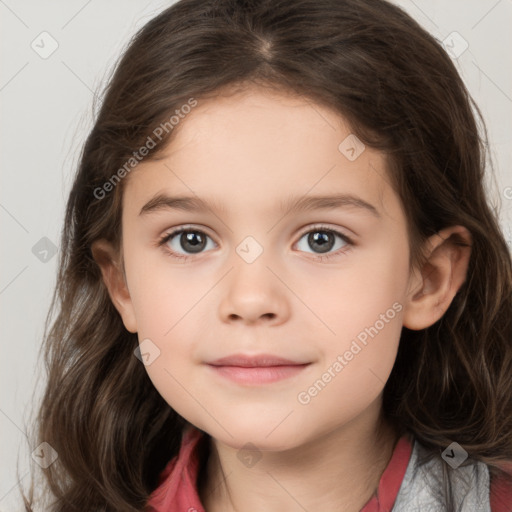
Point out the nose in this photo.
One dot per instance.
(253, 294)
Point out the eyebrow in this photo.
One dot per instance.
(163, 201)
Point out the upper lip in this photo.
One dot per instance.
(254, 361)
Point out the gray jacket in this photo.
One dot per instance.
(422, 488)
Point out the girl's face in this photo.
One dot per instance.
(254, 282)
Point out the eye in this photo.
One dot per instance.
(194, 241)
(191, 240)
(323, 240)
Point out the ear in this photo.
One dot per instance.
(113, 276)
(433, 287)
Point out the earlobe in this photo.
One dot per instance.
(108, 261)
(433, 287)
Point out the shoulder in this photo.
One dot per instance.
(501, 491)
(177, 487)
(431, 482)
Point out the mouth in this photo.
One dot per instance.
(256, 370)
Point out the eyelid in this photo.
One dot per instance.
(321, 226)
(188, 227)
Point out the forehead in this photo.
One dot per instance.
(257, 148)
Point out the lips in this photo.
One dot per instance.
(261, 360)
(256, 370)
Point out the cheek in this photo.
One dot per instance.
(352, 377)
(165, 315)
(163, 294)
(368, 284)
(166, 301)
(363, 307)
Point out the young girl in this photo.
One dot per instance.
(281, 284)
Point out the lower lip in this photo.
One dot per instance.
(258, 374)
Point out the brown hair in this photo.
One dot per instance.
(400, 92)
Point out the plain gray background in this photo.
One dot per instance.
(47, 112)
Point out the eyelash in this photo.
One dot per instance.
(339, 252)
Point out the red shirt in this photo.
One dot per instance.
(177, 489)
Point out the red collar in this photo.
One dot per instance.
(177, 489)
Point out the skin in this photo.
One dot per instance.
(249, 152)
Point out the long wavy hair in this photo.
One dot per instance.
(401, 94)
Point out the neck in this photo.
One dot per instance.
(338, 471)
